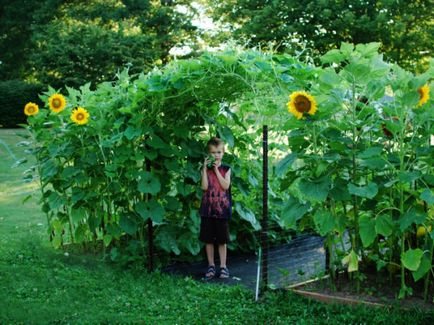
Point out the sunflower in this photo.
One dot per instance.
(424, 95)
(301, 102)
(80, 116)
(57, 103)
(31, 109)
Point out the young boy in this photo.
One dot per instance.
(216, 207)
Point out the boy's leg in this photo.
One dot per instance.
(222, 239)
(222, 254)
(209, 247)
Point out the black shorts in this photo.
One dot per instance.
(214, 230)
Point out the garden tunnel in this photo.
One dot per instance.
(141, 154)
(358, 164)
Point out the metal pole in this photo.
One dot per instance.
(258, 273)
(150, 231)
(264, 232)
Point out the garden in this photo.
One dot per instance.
(100, 186)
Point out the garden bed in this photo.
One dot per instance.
(374, 291)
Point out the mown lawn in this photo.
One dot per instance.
(41, 285)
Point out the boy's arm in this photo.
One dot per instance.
(226, 181)
(204, 180)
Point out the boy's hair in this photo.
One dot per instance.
(214, 141)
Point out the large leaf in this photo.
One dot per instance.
(352, 260)
(424, 267)
(78, 214)
(411, 259)
(427, 196)
(410, 217)
(148, 183)
(166, 239)
(367, 230)
(370, 152)
(192, 245)
(332, 56)
(247, 215)
(339, 190)
(151, 209)
(368, 191)
(128, 224)
(293, 211)
(324, 222)
(283, 165)
(316, 190)
(226, 134)
(131, 132)
(156, 142)
(409, 177)
(384, 225)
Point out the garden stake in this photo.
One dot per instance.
(264, 232)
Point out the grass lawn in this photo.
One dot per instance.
(40, 285)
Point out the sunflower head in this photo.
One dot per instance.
(423, 95)
(300, 102)
(31, 109)
(57, 103)
(80, 116)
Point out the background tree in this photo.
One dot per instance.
(72, 42)
(404, 28)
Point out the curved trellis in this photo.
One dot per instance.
(359, 164)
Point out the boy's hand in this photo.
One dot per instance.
(205, 163)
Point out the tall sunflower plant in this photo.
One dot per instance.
(366, 162)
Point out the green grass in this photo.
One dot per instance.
(41, 285)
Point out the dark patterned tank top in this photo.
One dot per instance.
(216, 202)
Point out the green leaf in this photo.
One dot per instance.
(156, 142)
(293, 211)
(329, 78)
(80, 233)
(408, 177)
(368, 191)
(226, 134)
(373, 163)
(332, 56)
(367, 230)
(339, 190)
(131, 132)
(316, 190)
(346, 48)
(166, 239)
(368, 50)
(173, 203)
(427, 196)
(424, 267)
(352, 260)
(107, 240)
(247, 215)
(324, 222)
(151, 209)
(371, 152)
(128, 223)
(148, 183)
(411, 259)
(384, 225)
(55, 200)
(410, 217)
(283, 165)
(78, 214)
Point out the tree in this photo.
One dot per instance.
(404, 28)
(73, 42)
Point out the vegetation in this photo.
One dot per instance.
(41, 285)
(404, 28)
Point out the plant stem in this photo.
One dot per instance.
(428, 275)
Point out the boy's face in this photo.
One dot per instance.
(216, 151)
